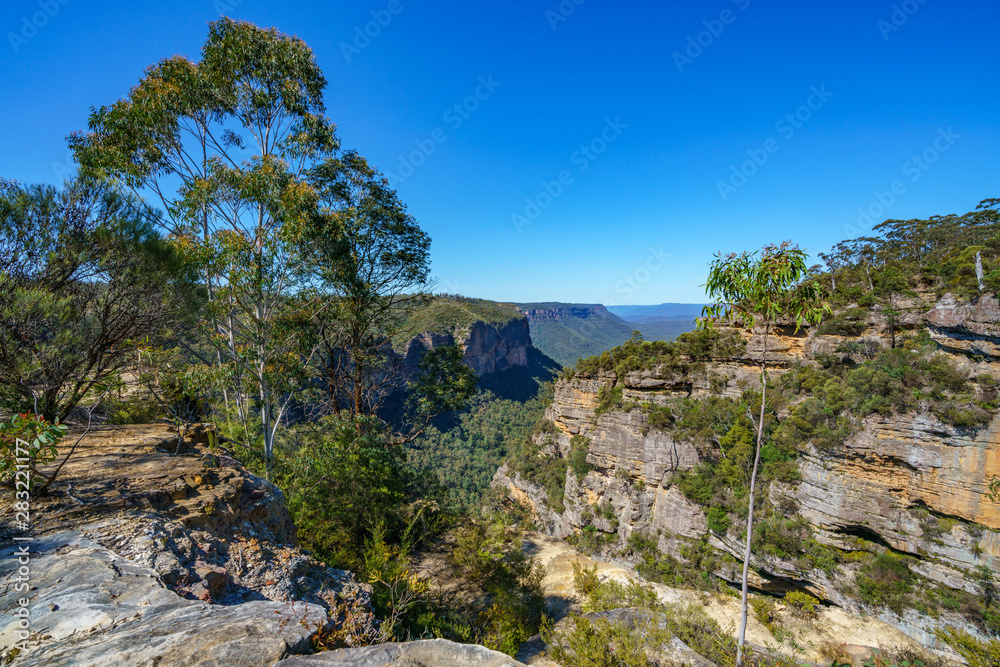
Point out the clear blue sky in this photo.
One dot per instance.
(648, 210)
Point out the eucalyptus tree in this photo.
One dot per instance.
(374, 260)
(225, 144)
(84, 278)
(758, 290)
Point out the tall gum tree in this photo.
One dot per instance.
(757, 290)
(373, 260)
(225, 145)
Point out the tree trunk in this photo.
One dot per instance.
(753, 491)
(979, 270)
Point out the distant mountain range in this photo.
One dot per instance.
(569, 331)
(665, 312)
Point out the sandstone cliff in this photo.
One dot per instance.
(487, 347)
(906, 482)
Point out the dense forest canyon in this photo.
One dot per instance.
(239, 426)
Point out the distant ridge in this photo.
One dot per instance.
(570, 331)
(664, 312)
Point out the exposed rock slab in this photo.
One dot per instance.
(136, 539)
(422, 653)
(92, 608)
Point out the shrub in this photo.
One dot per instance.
(579, 447)
(26, 442)
(718, 519)
(886, 581)
(489, 554)
(604, 642)
(764, 611)
(802, 604)
(976, 652)
(609, 398)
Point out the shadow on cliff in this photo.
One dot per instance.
(522, 382)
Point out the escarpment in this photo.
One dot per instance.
(486, 347)
(862, 479)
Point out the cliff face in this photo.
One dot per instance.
(909, 482)
(556, 313)
(487, 348)
(137, 542)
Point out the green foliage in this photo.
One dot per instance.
(977, 653)
(451, 313)
(26, 442)
(765, 613)
(701, 561)
(240, 130)
(802, 604)
(607, 642)
(609, 398)
(84, 279)
(718, 519)
(849, 322)
(541, 464)
(886, 581)
(579, 447)
(903, 256)
(366, 252)
(488, 553)
(465, 452)
(689, 623)
(343, 479)
(443, 383)
(676, 356)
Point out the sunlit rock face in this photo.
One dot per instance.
(907, 482)
(486, 348)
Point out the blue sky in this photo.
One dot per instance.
(600, 152)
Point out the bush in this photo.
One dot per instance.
(544, 469)
(26, 442)
(977, 653)
(802, 604)
(886, 581)
(765, 613)
(579, 447)
(489, 554)
(718, 519)
(604, 642)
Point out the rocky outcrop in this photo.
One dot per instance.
(146, 535)
(971, 328)
(422, 653)
(908, 482)
(487, 348)
(556, 312)
(94, 608)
